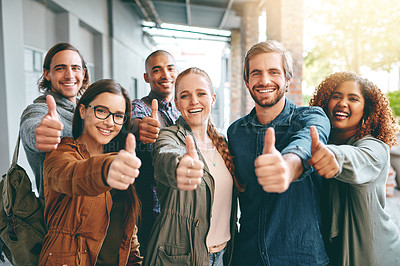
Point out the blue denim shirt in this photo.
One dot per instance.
(279, 229)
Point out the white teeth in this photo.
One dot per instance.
(68, 84)
(195, 110)
(341, 114)
(166, 83)
(263, 91)
(105, 131)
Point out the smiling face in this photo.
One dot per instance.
(161, 75)
(66, 74)
(194, 100)
(96, 132)
(267, 82)
(346, 108)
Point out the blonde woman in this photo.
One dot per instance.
(195, 183)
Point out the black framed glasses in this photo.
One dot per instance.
(103, 113)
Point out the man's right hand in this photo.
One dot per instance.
(149, 126)
(48, 132)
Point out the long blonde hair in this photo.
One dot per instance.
(217, 139)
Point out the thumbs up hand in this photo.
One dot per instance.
(322, 159)
(125, 167)
(190, 169)
(48, 132)
(271, 169)
(149, 127)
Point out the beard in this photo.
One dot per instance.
(267, 102)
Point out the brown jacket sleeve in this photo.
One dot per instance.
(71, 171)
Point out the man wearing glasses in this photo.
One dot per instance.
(49, 118)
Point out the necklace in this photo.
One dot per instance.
(209, 154)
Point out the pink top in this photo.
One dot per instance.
(221, 209)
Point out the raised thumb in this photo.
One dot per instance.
(51, 105)
(191, 148)
(154, 109)
(130, 143)
(269, 141)
(314, 139)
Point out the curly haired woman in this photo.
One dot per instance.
(356, 165)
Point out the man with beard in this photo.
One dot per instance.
(280, 213)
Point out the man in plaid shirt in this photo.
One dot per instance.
(150, 114)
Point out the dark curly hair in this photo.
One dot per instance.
(378, 118)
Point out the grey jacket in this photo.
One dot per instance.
(179, 233)
(360, 231)
(31, 118)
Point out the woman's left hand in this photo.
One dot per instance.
(322, 159)
(125, 167)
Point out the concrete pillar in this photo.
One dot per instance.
(236, 75)
(286, 26)
(249, 36)
(12, 81)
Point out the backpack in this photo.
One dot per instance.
(22, 226)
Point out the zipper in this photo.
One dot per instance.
(108, 224)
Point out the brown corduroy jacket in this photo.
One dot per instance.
(77, 208)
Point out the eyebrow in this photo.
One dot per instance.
(64, 65)
(351, 94)
(154, 67)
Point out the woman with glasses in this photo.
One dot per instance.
(91, 206)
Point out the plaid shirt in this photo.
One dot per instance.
(145, 184)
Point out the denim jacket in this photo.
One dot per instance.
(279, 229)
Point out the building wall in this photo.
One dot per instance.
(107, 32)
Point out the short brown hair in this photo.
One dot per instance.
(269, 46)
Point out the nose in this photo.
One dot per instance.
(343, 102)
(109, 121)
(265, 79)
(68, 73)
(165, 73)
(194, 100)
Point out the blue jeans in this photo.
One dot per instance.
(216, 259)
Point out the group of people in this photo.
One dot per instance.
(114, 173)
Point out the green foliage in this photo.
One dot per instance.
(394, 99)
(358, 33)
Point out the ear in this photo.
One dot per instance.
(46, 74)
(146, 77)
(177, 105)
(213, 99)
(247, 84)
(288, 82)
(82, 110)
(84, 72)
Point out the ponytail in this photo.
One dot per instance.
(222, 148)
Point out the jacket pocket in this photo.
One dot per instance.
(66, 258)
(172, 255)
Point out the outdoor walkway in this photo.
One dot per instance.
(393, 207)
